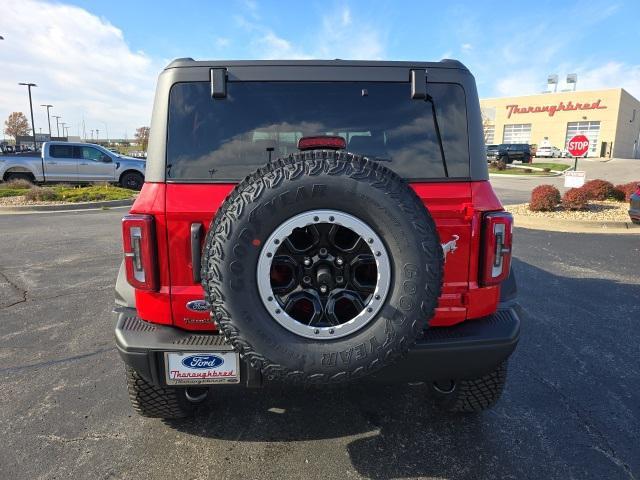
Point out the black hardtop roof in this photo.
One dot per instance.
(190, 62)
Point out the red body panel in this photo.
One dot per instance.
(456, 208)
(155, 306)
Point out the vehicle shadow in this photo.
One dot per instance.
(553, 420)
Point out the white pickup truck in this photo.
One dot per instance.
(74, 163)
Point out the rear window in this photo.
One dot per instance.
(226, 139)
(61, 151)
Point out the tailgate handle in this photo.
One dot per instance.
(196, 236)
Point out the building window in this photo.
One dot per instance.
(591, 130)
(517, 133)
(489, 134)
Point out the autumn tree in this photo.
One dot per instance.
(16, 124)
(142, 135)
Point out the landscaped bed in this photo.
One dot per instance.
(598, 211)
(537, 169)
(597, 201)
(19, 192)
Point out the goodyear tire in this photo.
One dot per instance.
(322, 187)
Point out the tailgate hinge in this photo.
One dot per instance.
(218, 82)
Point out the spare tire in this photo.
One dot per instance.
(322, 267)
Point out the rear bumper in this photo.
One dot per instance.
(467, 350)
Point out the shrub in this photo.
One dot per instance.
(575, 199)
(17, 184)
(39, 194)
(546, 169)
(498, 165)
(528, 170)
(598, 189)
(544, 198)
(624, 191)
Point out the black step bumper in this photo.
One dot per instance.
(467, 350)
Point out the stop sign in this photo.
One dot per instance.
(578, 145)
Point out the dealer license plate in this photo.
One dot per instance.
(192, 368)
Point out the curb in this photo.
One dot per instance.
(573, 226)
(66, 206)
(532, 175)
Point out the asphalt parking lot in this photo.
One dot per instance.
(571, 408)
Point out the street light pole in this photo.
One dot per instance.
(106, 127)
(33, 127)
(97, 135)
(48, 118)
(66, 134)
(58, 117)
(63, 124)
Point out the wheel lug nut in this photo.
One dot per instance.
(339, 279)
(323, 252)
(307, 261)
(323, 289)
(306, 279)
(339, 261)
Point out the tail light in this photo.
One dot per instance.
(496, 247)
(139, 240)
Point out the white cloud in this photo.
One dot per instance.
(272, 46)
(611, 75)
(82, 66)
(522, 82)
(221, 42)
(360, 41)
(509, 60)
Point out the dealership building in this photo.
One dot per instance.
(609, 118)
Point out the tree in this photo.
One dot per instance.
(16, 124)
(142, 135)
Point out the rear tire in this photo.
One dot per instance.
(470, 396)
(160, 402)
(132, 180)
(18, 176)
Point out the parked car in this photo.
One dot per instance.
(491, 150)
(564, 153)
(510, 152)
(268, 247)
(547, 151)
(74, 163)
(634, 206)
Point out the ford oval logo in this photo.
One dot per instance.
(202, 361)
(198, 306)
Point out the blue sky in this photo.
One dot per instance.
(99, 60)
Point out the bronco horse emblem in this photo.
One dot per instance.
(450, 247)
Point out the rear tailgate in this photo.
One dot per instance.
(193, 204)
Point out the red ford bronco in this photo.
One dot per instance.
(311, 223)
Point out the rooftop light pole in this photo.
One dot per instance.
(48, 118)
